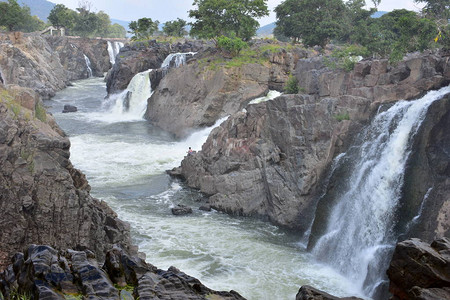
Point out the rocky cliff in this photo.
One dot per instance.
(272, 160)
(212, 86)
(43, 198)
(47, 64)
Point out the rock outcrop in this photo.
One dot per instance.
(141, 56)
(45, 273)
(206, 89)
(309, 293)
(43, 198)
(47, 64)
(419, 270)
(271, 160)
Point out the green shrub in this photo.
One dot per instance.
(291, 86)
(231, 45)
(342, 116)
(40, 113)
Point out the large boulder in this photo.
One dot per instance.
(419, 270)
(268, 161)
(309, 293)
(43, 198)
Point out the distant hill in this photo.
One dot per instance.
(266, 30)
(379, 14)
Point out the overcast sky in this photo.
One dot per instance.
(167, 10)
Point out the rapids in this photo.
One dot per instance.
(125, 159)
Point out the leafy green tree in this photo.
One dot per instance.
(143, 28)
(86, 22)
(315, 22)
(214, 18)
(116, 31)
(103, 24)
(11, 15)
(175, 28)
(60, 15)
(356, 19)
(437, 9)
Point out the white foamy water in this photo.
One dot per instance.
(179, 59)
(125, 163)
(88, 65)
(113, 50)
(270, 95)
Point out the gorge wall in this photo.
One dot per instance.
(43, 198)
(47, 64)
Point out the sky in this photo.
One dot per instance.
(168, 10)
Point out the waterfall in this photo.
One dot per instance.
(359, 235)
(88, 65)
(113, 50)
(270, 95)
(178, 58)
(130, 104)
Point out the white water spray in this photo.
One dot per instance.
(88, 65)
(360, 228)
(270, 95)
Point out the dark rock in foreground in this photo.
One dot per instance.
(69, 108)
(181, 210)
(309, 293)
(45, 273)
(419, 270)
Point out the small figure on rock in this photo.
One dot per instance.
(190, 151)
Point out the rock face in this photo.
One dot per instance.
(419, 270)
(45, 273)
(142, 56)
(47, 64)
(271, 161)
(199, 94)
(43, 198)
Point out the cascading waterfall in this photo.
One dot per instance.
(130, 105)
(113, 50)
(88, 65)
(359, 233)
(178, 58)
(270, 95)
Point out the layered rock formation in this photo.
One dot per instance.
(207, 89)
(271, 161)
(43, 198)
(47, 64)
(419, 270)
(45, 273)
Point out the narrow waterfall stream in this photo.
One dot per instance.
(125, 158)
(359, 234)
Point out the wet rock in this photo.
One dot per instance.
(206, 207)
(419, 270)
(69, 108)
(181, 210)
(175, 172)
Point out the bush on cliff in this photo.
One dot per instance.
(292, 85)
(232, 45)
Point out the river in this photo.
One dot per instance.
(125, 159)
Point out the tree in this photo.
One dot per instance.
(143, 28)
(60, 15)
(117, 31)
(437, 9)
(175, 28)
(214, 18)
(11, 15)
(315, 22)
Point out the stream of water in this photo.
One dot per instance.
(125, 160)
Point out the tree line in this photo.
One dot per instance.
(81, 22)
